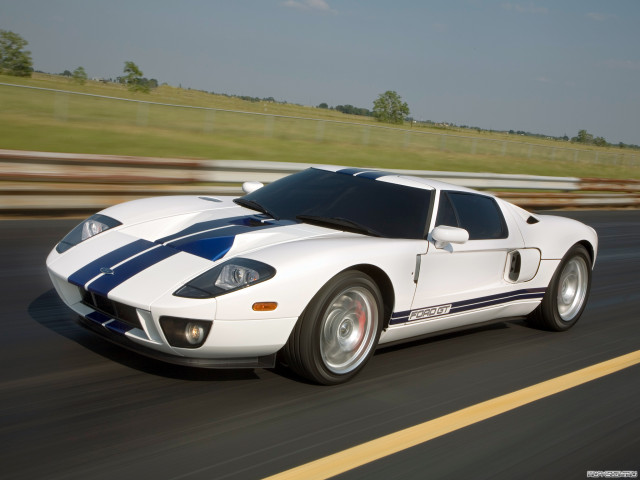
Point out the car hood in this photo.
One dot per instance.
(208, 227)
(156, 249)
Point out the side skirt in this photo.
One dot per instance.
(468, 328)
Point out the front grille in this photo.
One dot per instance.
(117, 310)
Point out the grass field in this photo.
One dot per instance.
(59, 122)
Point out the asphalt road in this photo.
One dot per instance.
(73, 406)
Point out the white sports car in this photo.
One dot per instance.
(319, 268)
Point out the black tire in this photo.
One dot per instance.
(338, 331)
(566, 297)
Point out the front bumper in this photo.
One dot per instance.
(265, 361)
(236, 343)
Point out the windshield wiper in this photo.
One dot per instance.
(253, 205)
(341, 223)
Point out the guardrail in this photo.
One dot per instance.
(53, 183)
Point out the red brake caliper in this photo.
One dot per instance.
(362, 318)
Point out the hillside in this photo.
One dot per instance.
(214, 127)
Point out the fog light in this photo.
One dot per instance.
(185, 332)
(194, 333)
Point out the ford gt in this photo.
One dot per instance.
(317, 269)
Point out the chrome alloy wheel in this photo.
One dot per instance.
(348, 329)
(572, 288)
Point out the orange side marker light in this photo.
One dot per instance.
(265, 306)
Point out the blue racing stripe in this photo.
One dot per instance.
(118, 327)
(92, 269)
(481, 303)
(104, 284)
(212, 240)
(230, 231)
(474, 304)
(98, 317)
(498, 296)
(210, 248)
(234, 225)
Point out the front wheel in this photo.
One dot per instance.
(338, 331)
(566, 297)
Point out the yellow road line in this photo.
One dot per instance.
(410, 437)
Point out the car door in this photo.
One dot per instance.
(466, 277)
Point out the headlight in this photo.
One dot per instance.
(91, 226)
(227, 277)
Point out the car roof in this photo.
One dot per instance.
(397, 178)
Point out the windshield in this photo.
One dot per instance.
(393, 211)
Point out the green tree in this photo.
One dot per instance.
(584, 137)
(13, 59)
(390, 108)
(134, 78)
(80, 76)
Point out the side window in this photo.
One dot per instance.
(446, 214)
(479, 215)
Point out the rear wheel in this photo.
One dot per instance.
(566, 297)
(338, 331)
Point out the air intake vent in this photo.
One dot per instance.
(532, 220)
(514, 266)
(117, 310)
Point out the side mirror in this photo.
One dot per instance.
(248, 187)
(444, 235)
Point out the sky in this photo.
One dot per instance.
(549, 67)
